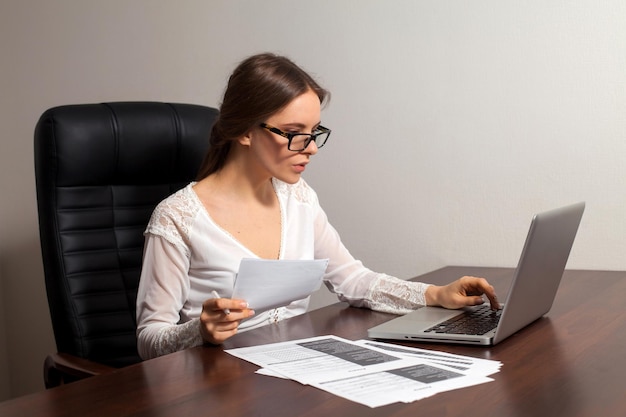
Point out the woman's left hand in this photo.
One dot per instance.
(465, 291)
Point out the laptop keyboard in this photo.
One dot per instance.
(476, 322)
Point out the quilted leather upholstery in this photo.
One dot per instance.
(100, 171)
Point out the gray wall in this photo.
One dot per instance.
(452, 121)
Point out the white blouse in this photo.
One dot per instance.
(187, 256)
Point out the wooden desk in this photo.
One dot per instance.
(569, 363)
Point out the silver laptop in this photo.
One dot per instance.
(532, 292)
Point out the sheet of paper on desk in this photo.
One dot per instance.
(361, 373)
(267, 284)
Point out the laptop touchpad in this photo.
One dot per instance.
(429, 315)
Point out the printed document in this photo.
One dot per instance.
(456, 362)
(370, 374)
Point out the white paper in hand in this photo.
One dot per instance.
(267, 284)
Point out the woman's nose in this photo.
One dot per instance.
(311, 148)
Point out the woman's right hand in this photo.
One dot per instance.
(217, 326)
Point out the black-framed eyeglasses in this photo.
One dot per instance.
(299, 141)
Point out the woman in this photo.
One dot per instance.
(250, 201)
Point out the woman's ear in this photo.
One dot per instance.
(246, 139)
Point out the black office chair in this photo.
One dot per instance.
(100, 170)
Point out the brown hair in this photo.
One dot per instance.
(260, 86)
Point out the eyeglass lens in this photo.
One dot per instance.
(300, 142)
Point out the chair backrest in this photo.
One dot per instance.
(100, 170)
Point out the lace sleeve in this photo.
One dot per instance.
(181, 336)
(393, 295)
(172, 218)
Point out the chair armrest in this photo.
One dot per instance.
(62, 368)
